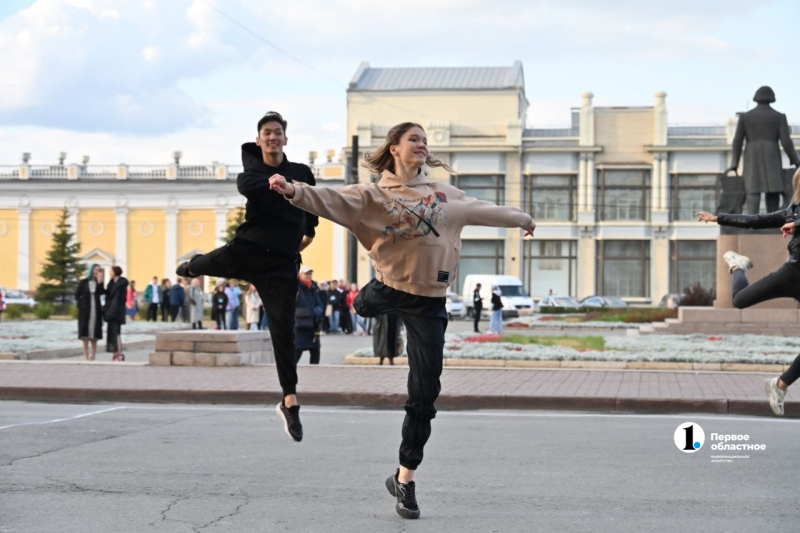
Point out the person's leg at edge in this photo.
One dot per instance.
(314, 355)
(425, 356)
(85, 349)
(298, 355)
(783, 283)
(93, 357)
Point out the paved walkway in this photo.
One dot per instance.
(467, 388)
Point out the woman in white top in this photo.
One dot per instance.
(252, 302)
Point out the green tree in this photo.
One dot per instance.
(61, 271)
(234, 224)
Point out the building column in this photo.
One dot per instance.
(659, 264)
(121, 253)
(24, 247)
(171, 252)
(590, 182)
(664, 205)
(582, 183)
(587, 263)
(513, 196)
(221, 227)
(339, 252)
(72, 222)
(655, 184)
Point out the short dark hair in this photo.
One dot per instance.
(272, 116)
(116, 270)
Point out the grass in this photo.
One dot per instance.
(591, 342)
(633, 315)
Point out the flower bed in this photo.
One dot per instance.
(659, 348)
(34, 335)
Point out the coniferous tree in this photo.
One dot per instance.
(61, 270)
(234, 224)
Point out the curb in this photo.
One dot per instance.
(67, 352)
(588, 365)
(395, 400)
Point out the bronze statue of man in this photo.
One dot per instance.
(763, 126)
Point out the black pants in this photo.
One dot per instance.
(477, 312)
(425, 319)
(114, 337)
(772, 201)
(175, 312)
(313, 353)
(166, 312)
(221, 322)
(783, 283)
(152, 312)
(345, 323)
(274, 275)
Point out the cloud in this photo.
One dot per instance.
(108, 65)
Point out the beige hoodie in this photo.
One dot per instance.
(411, 230)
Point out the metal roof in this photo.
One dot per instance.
(367, 78)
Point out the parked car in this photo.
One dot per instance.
(455, 306)
(16, 297)
(516, 300)
(604, 301)
(559, 301)
(666, 299)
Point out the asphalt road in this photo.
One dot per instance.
(102, 468)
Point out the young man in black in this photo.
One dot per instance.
(266, 251)
(477, 305)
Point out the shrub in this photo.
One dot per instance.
(696, 296)
(73, 312)
(15, 310)
(633, 315)
(43, 310)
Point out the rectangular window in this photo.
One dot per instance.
(483, 187)
(479, 257)
(692, 193)
(623, 268)
(551, 197)
(693, 262)
(623, 194)
(550, 265)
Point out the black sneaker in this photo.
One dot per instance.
(291, 420)
(406, 496)
(183, 270)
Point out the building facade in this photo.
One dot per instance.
(614, 194)
(147, 219)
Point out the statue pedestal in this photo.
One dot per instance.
(767, 250)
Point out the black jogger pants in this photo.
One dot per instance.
(274, 275)
(425, 319)
(783, 283)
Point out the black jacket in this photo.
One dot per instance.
(116, 294)
(83, 299)
(270, 219)
(308, 317)
(770, 220)
(497, 303)
(477, 300)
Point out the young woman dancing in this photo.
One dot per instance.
(783, 283)
(411, 227)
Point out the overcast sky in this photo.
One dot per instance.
(131, 80)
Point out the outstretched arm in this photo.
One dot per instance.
(768, 220)
(482, 213)
(342, 205)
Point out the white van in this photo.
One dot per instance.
(516, 300)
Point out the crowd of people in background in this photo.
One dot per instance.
(340, 317)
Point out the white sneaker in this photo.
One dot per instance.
(775, 395)
(735, 261)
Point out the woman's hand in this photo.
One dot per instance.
(705, 216)
(529, 230)
(279, 184)
(788, 229)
